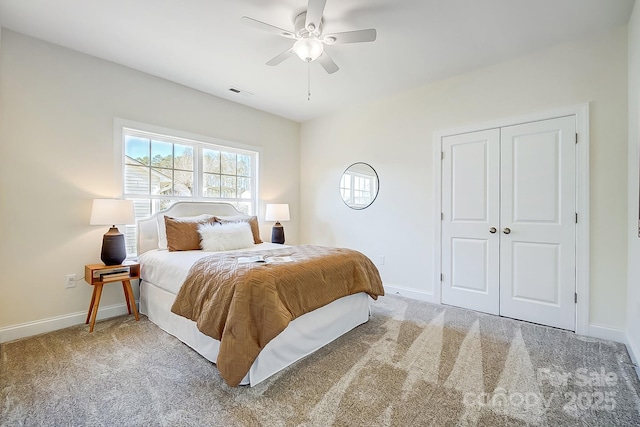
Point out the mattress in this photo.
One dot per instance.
(162, 274)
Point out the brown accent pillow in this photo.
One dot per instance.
(252, 220)
(183, 235)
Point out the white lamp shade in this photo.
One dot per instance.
(277, 212)
(112, 212)
(308, 49)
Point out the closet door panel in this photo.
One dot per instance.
(470, 200)
(535, 178)
(537, 247)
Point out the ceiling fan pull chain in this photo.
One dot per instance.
(308, 80)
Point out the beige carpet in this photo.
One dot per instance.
(412, 364)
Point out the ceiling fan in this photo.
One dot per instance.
(310, 41)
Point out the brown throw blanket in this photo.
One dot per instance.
(245, 306)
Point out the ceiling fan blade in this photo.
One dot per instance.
(315, 9)
(278, 59)
(357, 36)
(267, 27)
(327, 63)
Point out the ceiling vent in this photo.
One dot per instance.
(239, 91)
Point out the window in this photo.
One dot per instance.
(161, 169)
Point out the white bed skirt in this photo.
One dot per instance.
(302, 337)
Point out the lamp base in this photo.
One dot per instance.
(277, 233)
(114, 250)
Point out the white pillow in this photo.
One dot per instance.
(225, 237)
(162, 230)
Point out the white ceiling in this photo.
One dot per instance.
(202, 43)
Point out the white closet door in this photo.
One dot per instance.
(471, 207)
(537, 257)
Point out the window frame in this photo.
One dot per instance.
(124, 127)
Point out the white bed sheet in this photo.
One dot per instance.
(163, 273)
(168, 270)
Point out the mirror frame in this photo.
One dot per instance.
(377, 182)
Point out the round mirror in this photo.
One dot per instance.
(359, 185)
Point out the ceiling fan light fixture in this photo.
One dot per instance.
(308, 49)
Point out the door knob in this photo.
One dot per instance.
(492, 230)
(506, 230)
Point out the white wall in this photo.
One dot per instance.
(395, 136)
(633, 291)
(56, 155)
(56, 123)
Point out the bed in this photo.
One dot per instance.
(163, 272)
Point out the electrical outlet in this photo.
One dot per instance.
(70, 281)
(381, 260)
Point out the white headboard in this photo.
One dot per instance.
(148, 227)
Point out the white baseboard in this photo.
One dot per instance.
(634, 353)
(607, 333)
(37, 327)
(409, 293)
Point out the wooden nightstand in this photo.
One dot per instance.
(98, 274)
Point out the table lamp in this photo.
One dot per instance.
(111, 212)
(277, 212)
